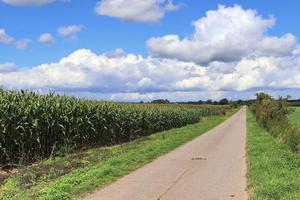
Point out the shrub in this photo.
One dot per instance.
(272, 114)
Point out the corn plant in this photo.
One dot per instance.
(35, 126)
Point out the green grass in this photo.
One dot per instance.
(273, 170)
(294, 117)
(75, 175)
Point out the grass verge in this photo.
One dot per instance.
(294, 117)
(273, 170)
(74, 175)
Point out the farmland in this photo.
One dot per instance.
(294, 117)
(90, 144)
(35, 126)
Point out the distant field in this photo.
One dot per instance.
(295, 116)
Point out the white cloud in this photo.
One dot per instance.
(9, 40)
(70, 31)
(115, 53)
(46, 38)
(31, 2)
(7, 67)
(230, 54)
(22, 44)
(83, 70)
(227, 34)
(4, 38)
(135, 10)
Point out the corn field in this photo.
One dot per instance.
(35, 126)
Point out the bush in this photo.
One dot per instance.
(272, 114)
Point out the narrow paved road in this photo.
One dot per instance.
(211, 167)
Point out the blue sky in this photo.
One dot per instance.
(104, 32)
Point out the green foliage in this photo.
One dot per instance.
(234, 105)
(273, 115)
(161, 101)
(223, 101)
(34, 126)
(273, 170)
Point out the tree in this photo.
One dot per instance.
(223, 101)
(240, 102)
(161, 101)
(209, 101)
(200, 102)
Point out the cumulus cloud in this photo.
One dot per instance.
(9, 40)
(229, 53)
(22, 44)
(46, 38)
(31, 2)
(4, 38)
(115, 53)
(7, 67)
(226, 34)
(70, 31)
(84, 70)
(136, 10)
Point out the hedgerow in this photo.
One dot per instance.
(272, 114)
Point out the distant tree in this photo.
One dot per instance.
(161, 101)
(240, 102)
(215, 103)
(223, 101)
(200, 102)
(209, 101)
(141, 102)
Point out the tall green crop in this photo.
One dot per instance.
(34, 126)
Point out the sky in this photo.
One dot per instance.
(132, 50)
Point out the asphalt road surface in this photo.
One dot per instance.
(211, 167)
